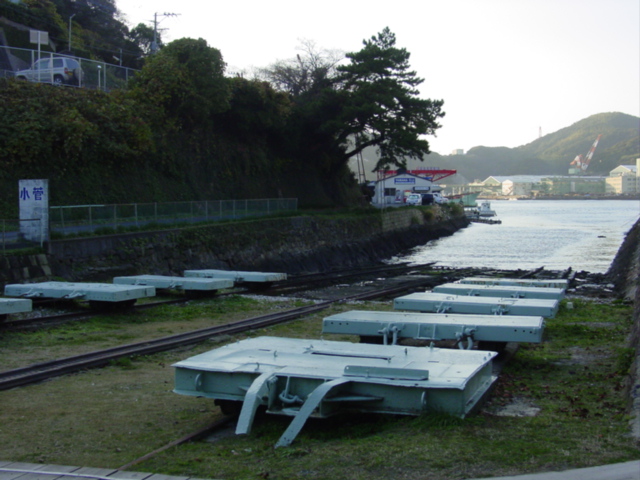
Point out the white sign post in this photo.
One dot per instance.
(34, 210)
(39, 37)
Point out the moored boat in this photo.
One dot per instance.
(484, 210)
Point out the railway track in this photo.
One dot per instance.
(46, 321)
(43, 371)
(294, 285)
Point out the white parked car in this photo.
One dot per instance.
(414, 199)
(56, 70)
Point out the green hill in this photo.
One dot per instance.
(551, 154)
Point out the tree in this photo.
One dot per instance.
(186, 79)
(381, 106)
(372, 101)
(142, 37)
(311, 70)
(256, 109)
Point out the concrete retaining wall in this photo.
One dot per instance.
(302, 244)
(625, 274)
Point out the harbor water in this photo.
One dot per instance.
(584, 235)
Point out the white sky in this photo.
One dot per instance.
(504, 68)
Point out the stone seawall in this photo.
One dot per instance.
(625, 275)
(302, 244)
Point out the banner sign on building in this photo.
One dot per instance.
(404, 180)
(34, 210)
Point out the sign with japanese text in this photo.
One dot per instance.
(404, 180)
(34, 209)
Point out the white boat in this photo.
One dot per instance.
(484, 210)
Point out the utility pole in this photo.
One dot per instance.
(154, 44)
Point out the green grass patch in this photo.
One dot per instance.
(108, 417)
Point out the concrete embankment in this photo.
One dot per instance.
(301, 244)
(625, 275)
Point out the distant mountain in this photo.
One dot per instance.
(551, 154)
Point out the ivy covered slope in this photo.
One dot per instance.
(182, 132)
(185, 131)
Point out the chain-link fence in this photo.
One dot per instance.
(56, 69)
(16, 234)
(79, 219)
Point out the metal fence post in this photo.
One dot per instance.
(257, 207)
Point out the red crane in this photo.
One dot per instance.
(581, 162)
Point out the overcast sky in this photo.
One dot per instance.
(506, 69)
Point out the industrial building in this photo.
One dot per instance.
(624, 179)
(393, 186)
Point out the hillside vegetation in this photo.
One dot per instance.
(96, 29)
(184, 131)
(548, 155)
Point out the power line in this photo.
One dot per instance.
(154, 44)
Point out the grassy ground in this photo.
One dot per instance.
(108, 417)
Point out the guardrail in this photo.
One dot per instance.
(111, 218)
(91, 74)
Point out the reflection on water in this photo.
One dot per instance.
(555, 234)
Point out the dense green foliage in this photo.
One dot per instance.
(97, 30)
(370, 101)
(395, 122)
(50, 133)
(146, 145)
(186, 80)
(185, 131)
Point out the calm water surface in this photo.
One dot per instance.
(555, 234)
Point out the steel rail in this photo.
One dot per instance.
(294, 284)
(46, 321)
(217, 425)
(45, 370)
